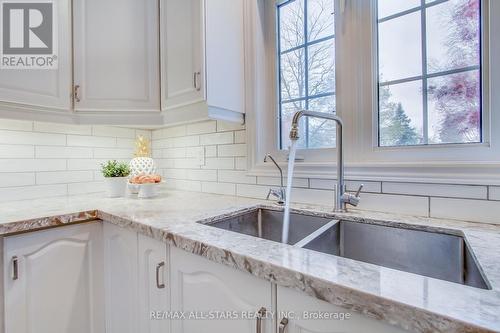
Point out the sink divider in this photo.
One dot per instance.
(309, 238)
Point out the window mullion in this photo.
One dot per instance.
(424, 74)
(306, 70)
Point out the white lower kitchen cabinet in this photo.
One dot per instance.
(201, 288)
(53, 281)
(153, 286)
(121, 279)
(135, 281)
(300, 313)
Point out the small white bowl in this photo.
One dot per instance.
(149, 190)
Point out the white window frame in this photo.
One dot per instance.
(357, 105)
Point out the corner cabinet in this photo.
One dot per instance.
(53, 281)
(116, 53)
(135, 269)
(202, 288)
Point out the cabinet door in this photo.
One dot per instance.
(57, 285)
(302, 311)
(153, 285)
(183, 76)
(44, 88)
(200, 286)
(116, 55)
(225, 55)
(120, 270)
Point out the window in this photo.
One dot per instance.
(429, 71)
(306, 47)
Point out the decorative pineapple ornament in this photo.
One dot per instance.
(142, 163)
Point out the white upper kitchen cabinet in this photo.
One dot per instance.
(203, 59)
(182, 40)
(116, 55)
(53, 281)
(225, 55)
(203, 291)
(42, 89)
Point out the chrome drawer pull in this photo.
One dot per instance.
(158, 267)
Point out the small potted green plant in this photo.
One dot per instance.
(115, 174)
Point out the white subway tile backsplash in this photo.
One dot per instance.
(202, 174)
(17, 151)
(240, 136)
(165, 163)
(32, 192)
(310, 196)
(224, 126)
(236, 176)
(16, 125)
(187, 141)
(91, 141)
(223, 163)
(17, 179)
(328, 184)
(173, 132)
(275, 181)
(240, 163)
(210, 151)
(86, 164)
(174, 153)
(31, 165)
(464, 209)
(175, 173)
(195, 152)
(201, 128)
(494, 193)
(85, 188)
(63, 129)
(114, 153)
(63, 152)
(111, 131)
(436, 190)
(125, 143)
(187, 163)
(184, 185)
(252, 191)
(63, 177)
(218, 188)
(40, 159)
(31, 138)
(236, 150)
(217, 138)
(397, 204)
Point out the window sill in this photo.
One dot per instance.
(465, 173)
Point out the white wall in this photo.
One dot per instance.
(44, 159)
(177, 151)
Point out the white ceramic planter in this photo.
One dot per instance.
(116, 186)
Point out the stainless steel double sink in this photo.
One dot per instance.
(433, 254)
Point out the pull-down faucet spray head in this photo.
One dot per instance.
(294, 131)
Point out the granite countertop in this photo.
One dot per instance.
(408, 300)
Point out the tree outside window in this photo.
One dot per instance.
(429, 72)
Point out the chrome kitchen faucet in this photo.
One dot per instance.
(342, 198)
